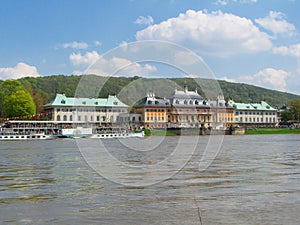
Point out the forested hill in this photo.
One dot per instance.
(45, 88)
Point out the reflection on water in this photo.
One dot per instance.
(253, 180)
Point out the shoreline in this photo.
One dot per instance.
(248, 131)
(271, 131)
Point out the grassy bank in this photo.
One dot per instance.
(272, 131)
(158, 132)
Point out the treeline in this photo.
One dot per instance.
(131, 89)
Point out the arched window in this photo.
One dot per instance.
(58, 117)
(65, 117)
(71, 118)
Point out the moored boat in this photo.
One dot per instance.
(78, 132)
(16, 137)
(117, 135)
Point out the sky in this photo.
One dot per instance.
(244, 41)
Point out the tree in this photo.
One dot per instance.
(6, 89)
(286, 116)
(18, 104)
(294, 108)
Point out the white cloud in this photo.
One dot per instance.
(221, 2)
(123, 45)
(85, 60)
(185, 58)
(215, 33)
(107, 67)
(97, 43)
(142, 20)
(268, 78)
(225, 2)
(292, 50)
(232, 80)
(120, 67)
(19, 71)
(276, 23)
(76, 45)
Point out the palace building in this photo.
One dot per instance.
(92, 110)
(184, 109)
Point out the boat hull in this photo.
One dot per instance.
(18, 137)
(116, 135)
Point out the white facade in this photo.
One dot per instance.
(102, 110)
(254, 113)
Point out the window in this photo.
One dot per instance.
(71, 118)
(63, 102)
(65, 117)
(58, 117)
(79, 118)
(83, 103)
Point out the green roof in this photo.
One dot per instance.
(110, 101)
(251, 106)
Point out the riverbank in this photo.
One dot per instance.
(272, 131)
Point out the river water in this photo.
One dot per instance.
(248, 180)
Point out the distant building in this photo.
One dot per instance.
(254, 113)
(95, 110)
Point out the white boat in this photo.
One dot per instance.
(16, 137)
(78, 132)
(118, 135)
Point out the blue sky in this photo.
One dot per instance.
(245, 41)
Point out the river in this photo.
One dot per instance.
(250, 179)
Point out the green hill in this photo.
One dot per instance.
(130, 89)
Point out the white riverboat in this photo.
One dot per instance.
(26, 130)
(78, 132)
(17, 137)
(117, 135)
